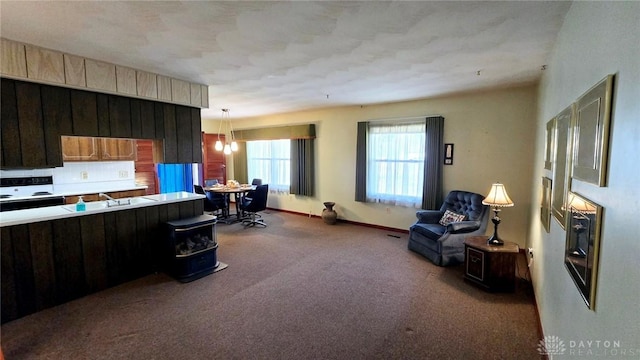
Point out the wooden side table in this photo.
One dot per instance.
(491, 267)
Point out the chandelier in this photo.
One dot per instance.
(227, 149)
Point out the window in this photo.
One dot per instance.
(270, 160)
(395, 163)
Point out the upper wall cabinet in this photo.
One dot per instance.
(78, 148)
(13, 59)
(147, 84)
(35, 116)
(33, 63)
(126, 80)
(45, 65)
(74, 72)
(100, 75)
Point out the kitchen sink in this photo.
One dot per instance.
(98, 205)
(129, 201)
(93, 205)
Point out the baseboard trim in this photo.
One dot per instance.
(523, 253)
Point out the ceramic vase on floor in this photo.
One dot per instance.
(329, 215)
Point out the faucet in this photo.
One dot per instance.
(107, 196)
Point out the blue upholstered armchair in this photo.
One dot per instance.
(444, 244)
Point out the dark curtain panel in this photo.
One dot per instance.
(302, 167)
(240, 164)
(434, 151)
(361, 162)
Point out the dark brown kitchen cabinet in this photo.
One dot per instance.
(170, 137)
(25, 140)
(184, 135)
(11, 155)
(56, 111)
(31, 125)
(34, 116)
(84, 113)
(136, 119)
(147, 120)
(104, 128)
(48, 263)
(196, 135)
(120, 116)
(68, 260)
(7, 277)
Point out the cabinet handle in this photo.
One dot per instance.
(474, 259)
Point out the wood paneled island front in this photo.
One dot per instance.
(53, 255)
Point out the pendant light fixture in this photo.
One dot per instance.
(218, 145)
(226, 148)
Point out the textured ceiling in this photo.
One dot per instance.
(262, 57)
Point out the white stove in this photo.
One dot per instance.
(27, 192)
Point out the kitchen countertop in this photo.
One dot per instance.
(18, 217)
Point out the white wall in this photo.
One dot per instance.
(493, 133)
(597, 38)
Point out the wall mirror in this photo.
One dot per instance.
(583, 244)
(548, 145)
(562, 164)
(545, 204)
(591, 141)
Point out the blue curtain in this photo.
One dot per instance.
(175, 177)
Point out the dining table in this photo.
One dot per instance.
(238, 193)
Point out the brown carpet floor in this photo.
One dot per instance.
(298, 289)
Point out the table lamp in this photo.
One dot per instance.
(497, 198)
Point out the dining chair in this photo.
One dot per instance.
(251, 206)
(214, 203)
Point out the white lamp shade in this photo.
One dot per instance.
(218, 145)
(234, 146)
(227, 149)
(498, 197)
(578, 204)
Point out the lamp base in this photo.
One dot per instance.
(495, 241)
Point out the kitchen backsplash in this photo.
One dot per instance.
(85, 176)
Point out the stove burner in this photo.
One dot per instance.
(5, 196)
(37, 193)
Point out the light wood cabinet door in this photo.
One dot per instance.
(13, 58)
(126, 80)
(118, 149)
(100, 75)
(79, 148)
(46, 65)
(164, 88)
(74, 72)
(147, 84)
(180, 91)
